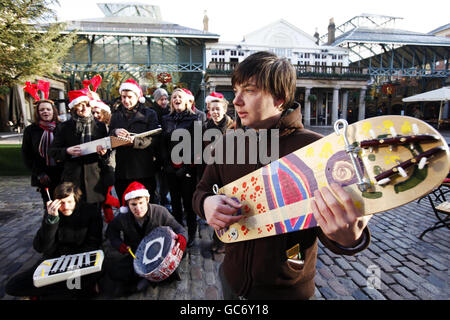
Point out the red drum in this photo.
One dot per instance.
(158, 255)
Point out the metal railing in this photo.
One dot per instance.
(303, 71)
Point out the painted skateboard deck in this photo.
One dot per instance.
(398, 159)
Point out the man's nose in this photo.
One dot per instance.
(237, 99)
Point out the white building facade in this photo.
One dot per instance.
(320, 69)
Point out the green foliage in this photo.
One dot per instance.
(11, 163)
(312, 98)
(31, 43)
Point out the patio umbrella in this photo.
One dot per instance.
(442, 95)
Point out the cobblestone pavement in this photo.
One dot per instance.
(397, 265)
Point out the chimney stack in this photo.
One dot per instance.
(331, 31)
(205, 22)
(316, 35)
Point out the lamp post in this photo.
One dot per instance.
(203, 88)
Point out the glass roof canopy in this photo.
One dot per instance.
(374, 43)
(133, 40)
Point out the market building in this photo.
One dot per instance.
(359, 69)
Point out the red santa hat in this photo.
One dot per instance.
(101, 105)
(134, 190)
(133, 86)
(214, 96)
(78, 96)
(189, 94)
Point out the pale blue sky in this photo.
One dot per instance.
(232, 19)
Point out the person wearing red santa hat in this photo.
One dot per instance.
(135, 162)
(217, 109)
(202, 115)
(101, 111)
(85, 171)
(137, 218)
(180, 176)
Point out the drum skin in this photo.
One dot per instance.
(158, 255)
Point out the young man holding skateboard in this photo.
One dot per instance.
(264, 87)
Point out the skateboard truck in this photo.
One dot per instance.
(353, 152)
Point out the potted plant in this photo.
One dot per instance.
(312, 98)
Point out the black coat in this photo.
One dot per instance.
(173, 121)
(160, 112)
(92, 172)
(133, 234)
(33, 160)
(79, 232)
(135, 161)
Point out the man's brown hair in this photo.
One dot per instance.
(271, 73)
(65, 189)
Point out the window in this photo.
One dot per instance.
(221, 52)
(214, 52)
(306, 55)
(233, 53)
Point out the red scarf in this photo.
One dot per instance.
(46, 140)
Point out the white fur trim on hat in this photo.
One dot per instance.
(142, 99)
(123, 209)
(100, 104)
(136, 194)
(211, 98)
(78, 100)
(131, 87)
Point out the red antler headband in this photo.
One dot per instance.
(44, 86)
(33, 89)
(95, 82)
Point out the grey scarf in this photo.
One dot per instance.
(83, 126)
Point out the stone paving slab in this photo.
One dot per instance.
(396, 266)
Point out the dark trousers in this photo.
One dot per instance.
(228, 293)
(163, 188)
(181, 194)
(149, 183)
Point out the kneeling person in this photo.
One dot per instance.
(70, 226)
(137, 219)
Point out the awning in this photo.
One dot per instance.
(442, 94)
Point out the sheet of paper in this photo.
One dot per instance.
(91, 147)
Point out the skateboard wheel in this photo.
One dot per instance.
(234, 233)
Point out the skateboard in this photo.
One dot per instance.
(383, 162)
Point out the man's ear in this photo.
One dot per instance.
(278, 103)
